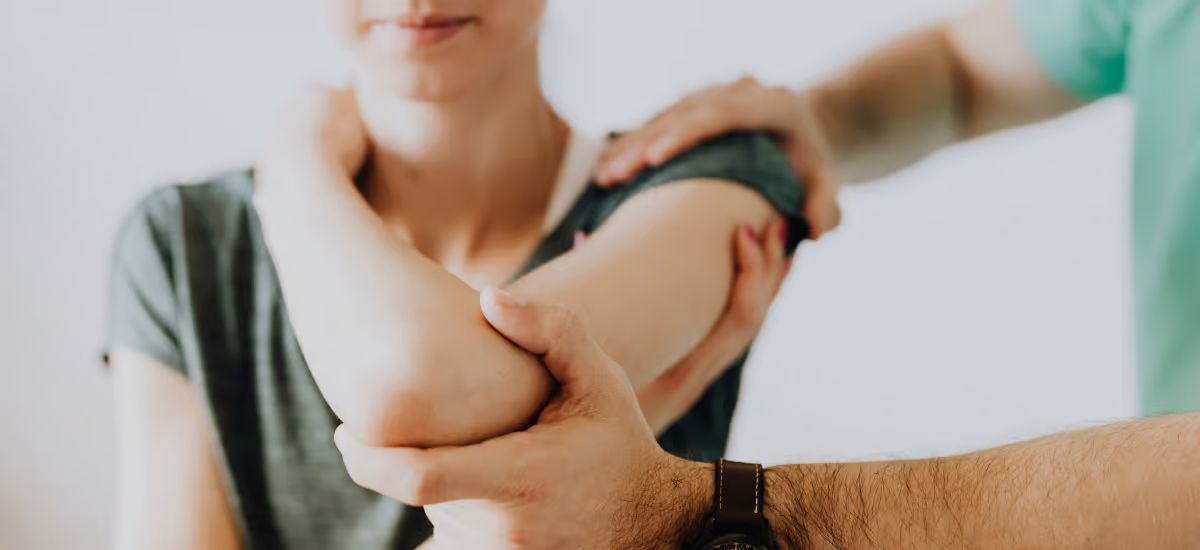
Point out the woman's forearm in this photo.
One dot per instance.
(396, 343)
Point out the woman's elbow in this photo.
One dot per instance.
(441, 393)
(434, 408)
(392, 401)
(425, 419)
(392, 417)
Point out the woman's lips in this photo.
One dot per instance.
(426, 30)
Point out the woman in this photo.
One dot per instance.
(387, 209)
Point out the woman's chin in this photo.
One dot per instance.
(421, 84)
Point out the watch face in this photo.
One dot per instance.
(734, 542)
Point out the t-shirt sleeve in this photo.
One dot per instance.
(1080, 44)
(751, 159)
(142, 298)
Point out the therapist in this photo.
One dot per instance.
(1009, 63)
(590, 475)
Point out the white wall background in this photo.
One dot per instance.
(976, 299)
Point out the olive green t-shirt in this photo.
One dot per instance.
(1150, 51)
(193, 286)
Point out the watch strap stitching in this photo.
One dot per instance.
(721, 484)
(757, 474)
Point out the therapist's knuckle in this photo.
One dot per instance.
(525, 488)
(562, 322)
(357, 473)
(777, 95)
(512, 534)
(747, 83)
(422, 484)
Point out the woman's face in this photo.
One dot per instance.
(436, 49)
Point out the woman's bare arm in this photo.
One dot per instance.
(398, 344)
(654, 279)
(372, 314)
(169, 492)
(762, 267)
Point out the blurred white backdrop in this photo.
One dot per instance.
(978, 298)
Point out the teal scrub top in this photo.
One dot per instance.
(1148, 50)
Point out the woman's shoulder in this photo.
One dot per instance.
(212, 209)
(188, 233)
(215, 196)
(176, 237)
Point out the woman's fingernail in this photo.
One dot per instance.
(750, 232)
(783, 230)
(505, 299)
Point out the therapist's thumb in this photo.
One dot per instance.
(555, 333)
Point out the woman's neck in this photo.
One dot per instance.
(464, 176)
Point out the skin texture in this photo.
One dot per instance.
(962, 79)
(589, 475)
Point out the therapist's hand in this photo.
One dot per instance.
(589, 474)
(742, 105)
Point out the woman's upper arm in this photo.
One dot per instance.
(652, 281)
(169, 490)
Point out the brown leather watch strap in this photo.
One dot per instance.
(737, 501)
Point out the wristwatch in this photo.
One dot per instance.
(737, 521)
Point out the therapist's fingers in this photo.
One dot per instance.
(554, 332)
(678, 130)
(743, 104)
(821, 207)
(425, 477)
(620, 160)
(809, 152)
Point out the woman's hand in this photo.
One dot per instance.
(319, 131)
(762, 267)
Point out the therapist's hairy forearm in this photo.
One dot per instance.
(396, 343)
(895, 107)
(1125, 486)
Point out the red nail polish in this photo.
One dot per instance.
(750, 232)
(783, 230)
